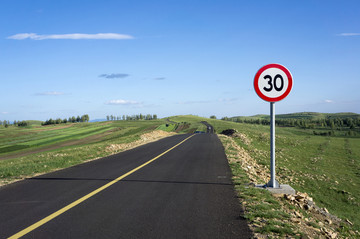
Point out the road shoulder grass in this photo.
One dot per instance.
(277, 216)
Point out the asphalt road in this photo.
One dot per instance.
(209, 127)
(185, 193)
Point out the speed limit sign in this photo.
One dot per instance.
(273, 82)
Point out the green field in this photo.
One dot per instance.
(14, 139)
(27, 151)
(307, 115)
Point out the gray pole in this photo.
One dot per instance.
(273, 183)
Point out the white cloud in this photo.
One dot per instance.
(51, 93)
(349, 34)
(122, 102)
(4, 113)
(329, 101)
(74, 36)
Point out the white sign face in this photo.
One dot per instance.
(273, 82)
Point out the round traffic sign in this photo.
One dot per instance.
(273, 82)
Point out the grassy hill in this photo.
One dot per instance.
(34, 122)
(305, 115)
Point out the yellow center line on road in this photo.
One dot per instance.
(77, 202)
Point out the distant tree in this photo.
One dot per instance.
(265, 122)
(85, 118)
(65, 121)
(78, 119)
(154, 117)
(22, 123)
(332, 124)
(213, 117)
(358, 122)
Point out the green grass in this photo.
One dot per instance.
(194, 121)
(305, 115)
(34, 122)
(261, 209)
(327, 168)
(14, 140)
(168, 127)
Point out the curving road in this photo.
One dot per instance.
(184, 193)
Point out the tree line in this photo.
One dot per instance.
(336, 123)
(23, 123)
(73, 119)
(132, 117)
(7, 123)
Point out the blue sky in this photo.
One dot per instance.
(65, 58)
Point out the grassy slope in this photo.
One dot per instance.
(41, 162)
(34, 122)
(14, 139)
(195, 122)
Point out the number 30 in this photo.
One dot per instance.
(275, 85)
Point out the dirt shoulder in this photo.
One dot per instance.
(144, 139)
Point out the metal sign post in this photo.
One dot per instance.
(273, 183)
(273, 83)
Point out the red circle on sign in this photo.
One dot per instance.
(256, 82)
